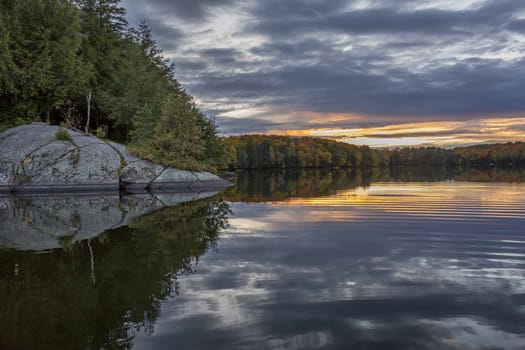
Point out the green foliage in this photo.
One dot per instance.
(54, 53)
(39, 45)
(63, 135)
(502, 155)
(101, 133)
(182, 137)
(280, 152)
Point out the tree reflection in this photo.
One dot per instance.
(260, 186)
(99, 293)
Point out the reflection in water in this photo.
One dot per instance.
(96, 294)
(323, 259)
(379, 273)
(49, 222)
(275, 186)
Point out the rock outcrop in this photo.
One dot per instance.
(33, 159)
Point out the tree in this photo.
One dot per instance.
(178, 139)
(8, 71)
(39, 45)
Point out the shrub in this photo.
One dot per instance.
(63, 135)
(101, 133)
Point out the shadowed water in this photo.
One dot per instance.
(321, 259)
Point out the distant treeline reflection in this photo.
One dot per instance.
(97, 294)
(259, 186)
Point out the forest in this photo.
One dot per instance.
(80, 64)
(267, 152)
(282, 152)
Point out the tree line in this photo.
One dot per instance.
(282, 152)
(80, 64)
(269, 152)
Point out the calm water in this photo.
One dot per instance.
(319, 260)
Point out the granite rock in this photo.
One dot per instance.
(32, 159)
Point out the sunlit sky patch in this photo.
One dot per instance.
(378, 72)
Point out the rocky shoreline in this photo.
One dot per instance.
(33, 159)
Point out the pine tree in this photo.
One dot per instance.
(40, 47)
(8, 71)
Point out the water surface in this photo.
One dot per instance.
(311, 260)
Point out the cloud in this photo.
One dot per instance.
(387, 18)
(187, 10)
(444, 133)
(167, 35)
(405, 61)
(467, 87)
(243, 125)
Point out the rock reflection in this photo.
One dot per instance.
(97, 293)
(49, 222)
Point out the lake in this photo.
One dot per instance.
(401, 259)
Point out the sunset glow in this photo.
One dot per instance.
(433, 200)
(444, 134)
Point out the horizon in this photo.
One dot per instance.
(405, 73)
(379, 147)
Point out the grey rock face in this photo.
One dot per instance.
(49, 222)
(140, 174)
(33, 159)
(18, 143)
(172, 179)
(6, 173)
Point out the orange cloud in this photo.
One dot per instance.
(445, 134)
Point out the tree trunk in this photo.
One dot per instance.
(88, 112)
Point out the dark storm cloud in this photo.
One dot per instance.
(222, 56)
(190, 65)
(167, 36)
(390, 58)
(291, 49)
(388, 19)
(517, 26)
(188, 10)
(366, 21)
(482, 86)
(198, 61)
(238, 125)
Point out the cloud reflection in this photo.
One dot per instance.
(379, 279)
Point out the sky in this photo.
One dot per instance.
(376, 72)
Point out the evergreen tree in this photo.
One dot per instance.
(8, 71)
(55, 53)
(39, 46)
